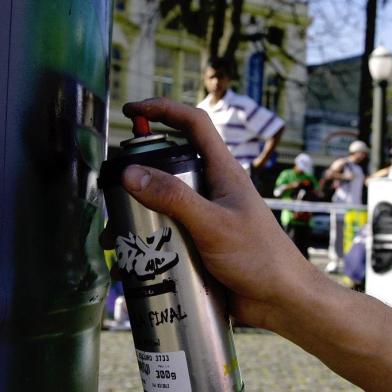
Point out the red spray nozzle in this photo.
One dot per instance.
(141, 127)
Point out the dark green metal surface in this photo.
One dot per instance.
(54, 64)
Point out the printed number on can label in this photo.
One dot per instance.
(164, 371)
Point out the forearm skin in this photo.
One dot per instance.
(349, 331)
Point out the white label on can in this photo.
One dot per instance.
(164, 371)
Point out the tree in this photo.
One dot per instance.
(211, 20)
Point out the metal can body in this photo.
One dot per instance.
(181, 328)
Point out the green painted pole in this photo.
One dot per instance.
(54, 65)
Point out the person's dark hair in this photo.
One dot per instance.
(221, 63)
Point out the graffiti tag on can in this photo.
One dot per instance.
(145, 258)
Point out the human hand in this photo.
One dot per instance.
(242, 245)
(237, 236)
(348, 176)
(294, 185)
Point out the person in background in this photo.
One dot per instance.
(250, 131)
(269, 283)
(348, 179)
(297, 183)
(384, 172)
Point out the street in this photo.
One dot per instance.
(268, 362)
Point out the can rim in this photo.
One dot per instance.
(142, 139)
(173, 160)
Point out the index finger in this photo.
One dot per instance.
(195, 123)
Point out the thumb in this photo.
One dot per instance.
(165, 193)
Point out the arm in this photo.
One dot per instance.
(316, 192)
(283, 186)
(336, 172)
(378, 174)
(269, 147)
(343, 328)
(269, 282)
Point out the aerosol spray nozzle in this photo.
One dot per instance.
(142, 134)
(141, 127)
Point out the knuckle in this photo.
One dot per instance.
(164, 104)
(165, 101)
(176, 197)
(171, 193)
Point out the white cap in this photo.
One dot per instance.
(304, 162)
(358, 146)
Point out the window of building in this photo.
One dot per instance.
(117, 74)
(177, 74)
(164, 72)
(273, 89)
(192, 78)
(121, 5)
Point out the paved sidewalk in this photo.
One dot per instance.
(268, 362)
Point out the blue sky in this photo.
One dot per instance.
(338, 29)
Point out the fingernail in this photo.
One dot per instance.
(136, 178)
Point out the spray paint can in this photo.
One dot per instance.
(179, 321)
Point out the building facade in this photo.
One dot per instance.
(154, 56)
(331, 121)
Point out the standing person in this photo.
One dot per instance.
(297, 183)
(349, 179)
(250, 131)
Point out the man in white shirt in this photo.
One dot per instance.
(250, 131)
(349, 179)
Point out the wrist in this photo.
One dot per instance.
(301, 288)
(315, 312)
